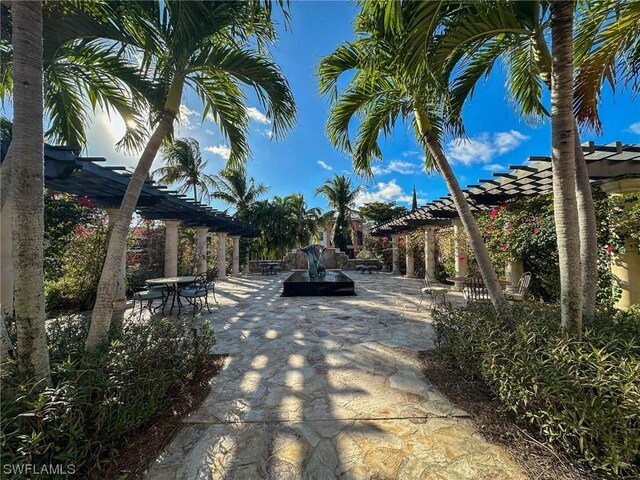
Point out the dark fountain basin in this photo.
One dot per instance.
(299, 284)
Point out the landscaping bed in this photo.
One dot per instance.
(580, 396)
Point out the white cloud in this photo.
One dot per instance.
(483, 147)
(184, 117)
(410, 153)
(386, 192)
(634, 128)
(494, 167)
(324, 165)
(266, 132)
(257, 115)
(396, 166)
(220, 150)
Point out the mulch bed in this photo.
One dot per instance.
(145, 446)
(537, 459)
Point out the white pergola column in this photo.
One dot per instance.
(236, 254)
(222, 255)
(201, 248)
(430, 252)
(6, 257)
(626, 265)
(171, 248)
(514, 269)
(460, 253)
(394, 255)
(121, 290)
(409, 257)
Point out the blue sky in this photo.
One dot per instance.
(305, 158)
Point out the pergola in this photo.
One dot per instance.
(66, 171)
(615, 168)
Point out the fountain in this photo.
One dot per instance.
(317, 281)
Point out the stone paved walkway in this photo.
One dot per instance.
(322, 388)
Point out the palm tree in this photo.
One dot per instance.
(234, 188)
(563, 163)
(185, 165)
(26, 154)
(306, 220)
(384, 88)
(341, 196)
(205, 46)
(472, 37)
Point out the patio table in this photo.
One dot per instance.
(456, 280)
(173, 284)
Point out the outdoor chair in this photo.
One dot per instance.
(474, 290)
(520, 295)
(264, 269)
(212, 275)
(196, 293)
(148, 296)
(427, 288)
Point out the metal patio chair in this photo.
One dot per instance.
(474, 290)
(196, 293)
(427, 288)
(520, 295)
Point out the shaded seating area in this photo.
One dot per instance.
(66, 171)
(614, 168)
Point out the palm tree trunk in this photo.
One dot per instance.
(588, 232)
(564, 166)
(489, 276)
(27, 158)
(103, 308)
(195, 193)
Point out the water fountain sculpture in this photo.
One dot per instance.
(315, 255)
(316, 281)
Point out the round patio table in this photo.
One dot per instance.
(456, 280)
(174, 285)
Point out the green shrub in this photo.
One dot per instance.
(99, 398)
(581, 395)
(83, 259)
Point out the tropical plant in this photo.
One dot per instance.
(233, 187)
(307, 220)
(341, 195)
(207, 46)
(184, 165)
(379, 212)
(26, 157)
(384, 89)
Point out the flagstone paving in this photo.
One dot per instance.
(326, 387)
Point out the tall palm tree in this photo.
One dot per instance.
(207, 46)
(26, 154)
(341, 195)
(565, 206)
(184, 164)
(234, 188)
(471, 38)
(383, 89)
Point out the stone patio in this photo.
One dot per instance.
(326, 387)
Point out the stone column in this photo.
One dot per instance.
(515, 269)
(121, 292)
(201, 248)
(171, 248)
(460, 253)
(626, 265)
(430, 252)
(236, 254)
(409, 257)
(394, 251)
(222, 255)
(6, 257)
